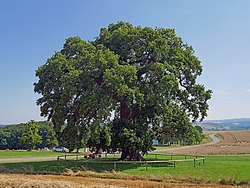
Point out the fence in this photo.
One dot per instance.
(187, 158)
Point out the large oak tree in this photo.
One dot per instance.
(129, 77)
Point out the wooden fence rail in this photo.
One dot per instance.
(76, 158)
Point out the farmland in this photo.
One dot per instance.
(232, 142)
(42, 181)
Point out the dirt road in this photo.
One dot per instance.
(13, 160)
(215, 140)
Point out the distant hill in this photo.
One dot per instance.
(1, 125)
(227, 124)
(39, 123)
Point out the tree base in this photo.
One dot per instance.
(131, 155)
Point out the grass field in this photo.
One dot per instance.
(218, 169)
(28, 154)
(31, 154)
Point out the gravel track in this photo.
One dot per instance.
(215, 140)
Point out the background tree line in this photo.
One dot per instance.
(28, 136)
(33, 135)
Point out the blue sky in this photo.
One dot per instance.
(31, 31)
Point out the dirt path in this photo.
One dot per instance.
(215, 140)
(13, 160)
(55, 181)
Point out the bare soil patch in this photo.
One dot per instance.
(55, 181)
(233, 142)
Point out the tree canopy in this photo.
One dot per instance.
(129, 77)
(30, 137)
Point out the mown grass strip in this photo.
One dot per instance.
(218, 169)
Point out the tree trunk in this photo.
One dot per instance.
(129, 153)
(125, 111)
(132, 154)
(125, 154)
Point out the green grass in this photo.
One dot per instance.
(28, 154)
(206, 139)
(216, 168)
(33, 167)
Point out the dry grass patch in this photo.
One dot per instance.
(54, 181)
(164, 178)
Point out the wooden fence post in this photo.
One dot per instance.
(194, 162)
(65, 160)
(76, 160)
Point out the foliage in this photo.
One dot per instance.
(48, 135)
(136, 73)
(30, 137)
(198, 128)
(128, 135)
(100, 138)
(10, 136)
(177, 128)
